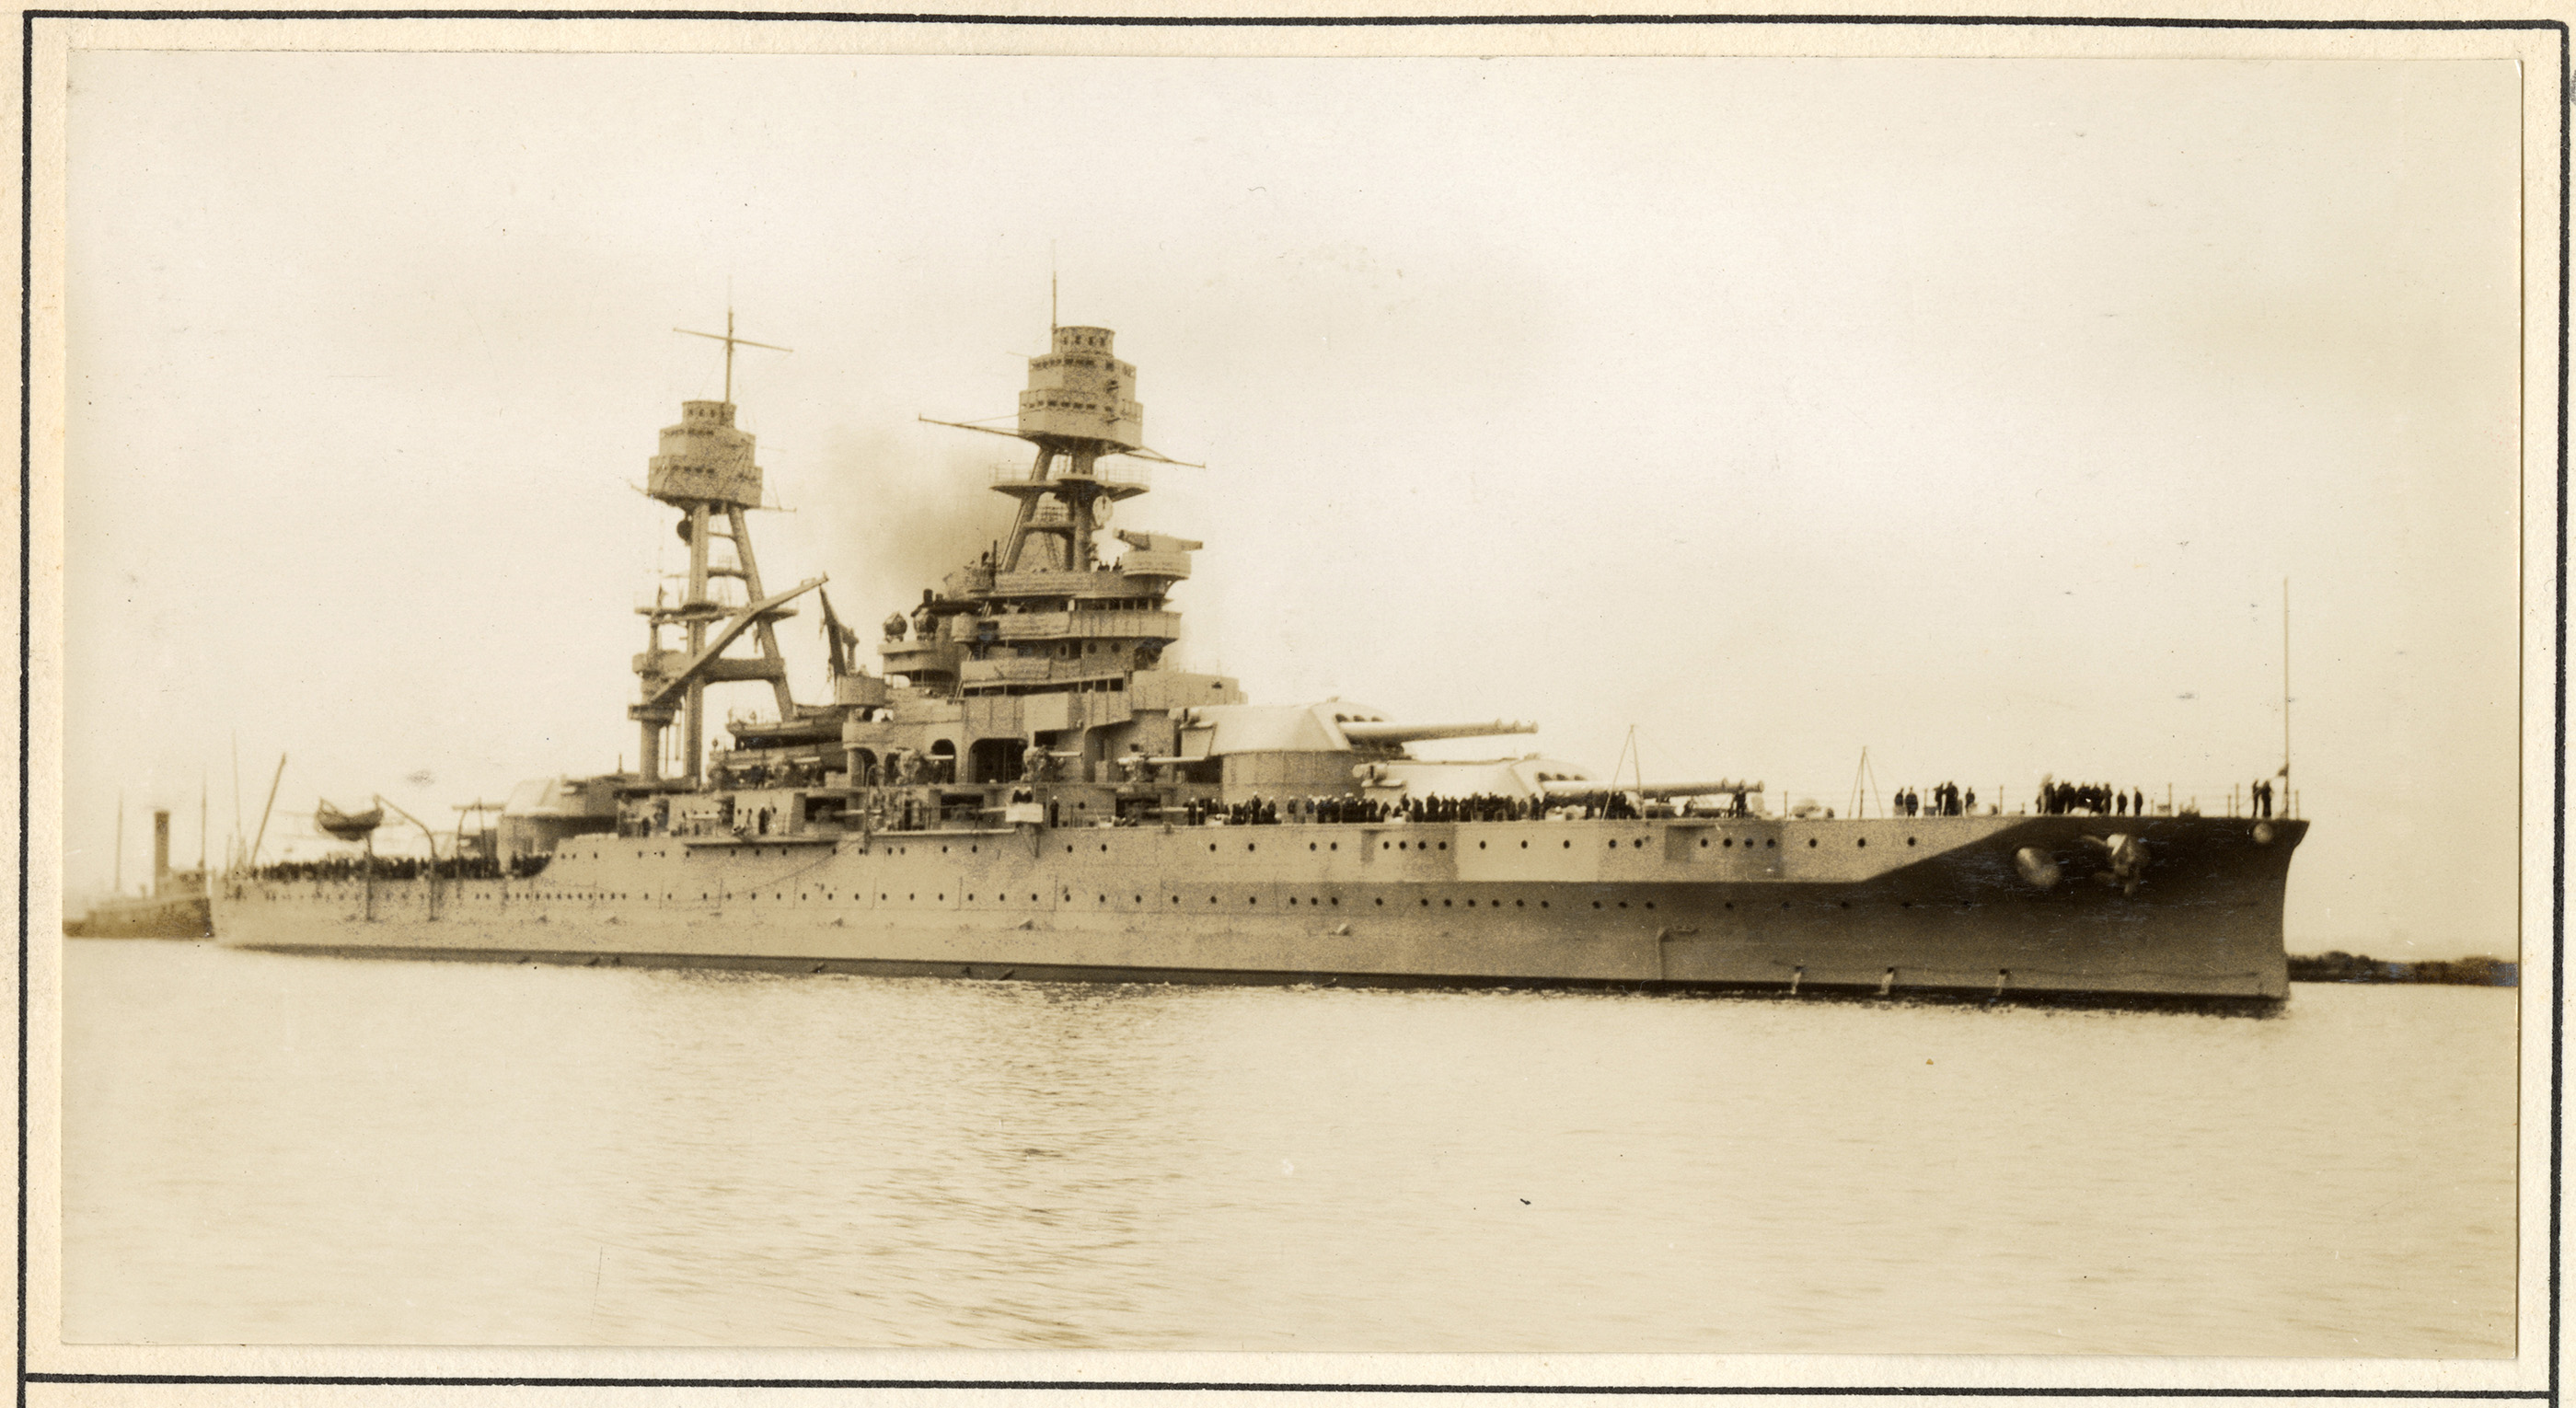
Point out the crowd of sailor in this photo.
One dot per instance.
(1268, 811)
(756, 772)
(1948, 799)
(1474, 807)
(2098, 798)
(336, 869)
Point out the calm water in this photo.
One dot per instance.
(263, 1148)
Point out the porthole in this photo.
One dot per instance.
(1703, 843)
(1211, 847)
(1524, 845)
(1542, 904)
(1381, 902)
(1770, 843)
(1909, 840)
(1480, 845)
(1520, 904)
(1639, 842)
(1335, 900)
(1623, 904)
(1250, 847)
(1426, 904)
(1444, 904)
(1310, 845)
(1569, 845)
(1444, 845)
(1811, 843)
(1596, 904)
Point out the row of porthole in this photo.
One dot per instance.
(1425, 902)
(1140, 899)
(1613, 844)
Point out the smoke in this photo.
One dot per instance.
(889, 519)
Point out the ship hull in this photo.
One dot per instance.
(1907, 905)
(182, 917)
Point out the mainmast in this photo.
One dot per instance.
(706, 471)
(1077, 412)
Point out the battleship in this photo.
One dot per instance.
(1029, 787)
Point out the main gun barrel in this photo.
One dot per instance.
(1417, 733)
(1651, 789)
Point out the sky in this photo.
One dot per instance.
(1969, 412)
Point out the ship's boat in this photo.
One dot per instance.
(346, 826)
(1029, 790)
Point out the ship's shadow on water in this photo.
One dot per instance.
(265, 1148)
(998, 974)
(723, 968)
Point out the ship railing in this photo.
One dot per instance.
(2205, 798)
(1117, 470)
(1088, 625)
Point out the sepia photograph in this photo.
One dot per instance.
(1237, 693)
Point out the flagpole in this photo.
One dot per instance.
(2285, 684)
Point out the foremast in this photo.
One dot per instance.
(707, 472)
